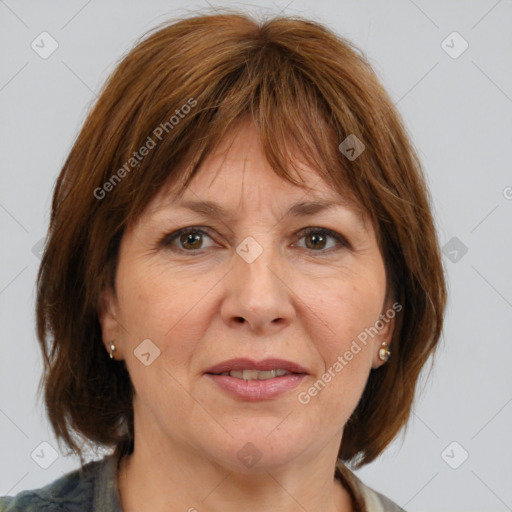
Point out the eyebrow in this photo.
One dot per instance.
(300, 209)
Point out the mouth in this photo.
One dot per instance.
(252, 380)
(248, 369)
(255, 374)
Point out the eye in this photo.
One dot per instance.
(187, 239)
(192, 239)
(317, 239)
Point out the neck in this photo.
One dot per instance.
(180, 480)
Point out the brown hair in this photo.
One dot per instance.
(306, 89)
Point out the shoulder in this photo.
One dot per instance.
(75, 491)
(375, 501)
(365, 498)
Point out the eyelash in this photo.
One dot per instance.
(168, 239)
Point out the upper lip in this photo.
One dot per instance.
(250, 364)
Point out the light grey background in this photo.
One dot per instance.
(459, 113)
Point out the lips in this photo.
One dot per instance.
(246, 379)
(241, 364)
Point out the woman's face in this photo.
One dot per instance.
(252, 285)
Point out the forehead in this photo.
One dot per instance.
(237, 172)
(232, 208)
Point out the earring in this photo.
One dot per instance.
(112, 349)
(384, 353)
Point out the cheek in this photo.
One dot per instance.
(152, 301)
(157, 304)
(347, 355)
(346, 311)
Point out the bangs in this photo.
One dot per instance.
(295, 123)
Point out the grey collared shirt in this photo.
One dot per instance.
(93, 488)
(90, 488)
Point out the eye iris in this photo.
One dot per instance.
(191, 238)
(315, 237)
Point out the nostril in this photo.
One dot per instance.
(240, 320)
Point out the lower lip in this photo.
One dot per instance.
(257, 389)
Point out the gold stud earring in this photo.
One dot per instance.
(112, 349)
(384, 353)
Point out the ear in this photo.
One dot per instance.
(107, 316)
(385, 327)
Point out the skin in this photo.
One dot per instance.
(301, 299)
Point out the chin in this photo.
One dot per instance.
(257, 451)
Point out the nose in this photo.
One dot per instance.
(258, 299)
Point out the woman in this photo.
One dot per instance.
(242, 279)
